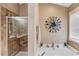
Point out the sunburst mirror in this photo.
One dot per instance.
(53, 24)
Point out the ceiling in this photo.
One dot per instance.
(61, 4)
(21, 3)
(64, 4)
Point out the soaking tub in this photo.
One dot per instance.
(54, 51)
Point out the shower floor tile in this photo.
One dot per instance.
(22, 54)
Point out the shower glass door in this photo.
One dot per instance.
(16, 35)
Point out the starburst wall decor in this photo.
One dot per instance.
(53, 24)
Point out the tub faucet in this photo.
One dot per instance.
(57, 46)
(52, 45)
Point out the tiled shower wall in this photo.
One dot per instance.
(17, 44)
(5, 12)
(14, 44)
(23, 43)
(13, 47)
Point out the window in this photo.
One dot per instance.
(74, 27)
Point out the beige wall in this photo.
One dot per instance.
(46, 10)
(24, 10)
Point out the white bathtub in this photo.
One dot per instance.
(61, 51)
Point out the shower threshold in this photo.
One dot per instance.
(22, 53)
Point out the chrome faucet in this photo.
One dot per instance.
(52, 45)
